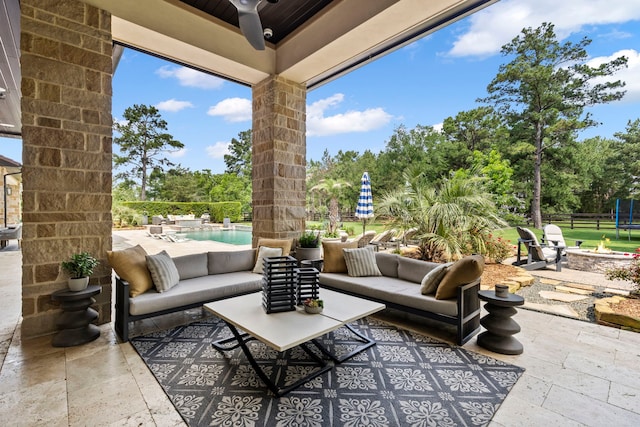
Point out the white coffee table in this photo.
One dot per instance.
(285, 330)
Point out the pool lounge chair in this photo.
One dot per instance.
(384, 239)
(363, 239)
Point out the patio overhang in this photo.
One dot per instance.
(339, 37)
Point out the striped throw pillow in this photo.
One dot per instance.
(361, 262)
(163, 271)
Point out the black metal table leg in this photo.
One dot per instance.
(368, 342)
(242, 339)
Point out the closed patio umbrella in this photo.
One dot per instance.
(364, 209)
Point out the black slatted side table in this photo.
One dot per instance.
(75, 321)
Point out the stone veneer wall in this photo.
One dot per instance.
(279, 158)
(13, 200)
(66, 113)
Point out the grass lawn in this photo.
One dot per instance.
(590, 237)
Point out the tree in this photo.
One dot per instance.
(631, 155)
(332, 189)
(238, 161)
(142, 142)
(544, 90)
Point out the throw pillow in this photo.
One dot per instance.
(432, 279)
(163, 271)
(265, 252)
(361, 262)
(334, 256)
(285, 244)
(131, 266)
(461, 272)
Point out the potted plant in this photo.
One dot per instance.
(313, 305)
(79, 267)
(308, 246)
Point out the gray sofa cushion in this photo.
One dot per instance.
(190, 266)
(414, 270)
(198, 289)
(230, 261)
(387, 264)
(393, 290)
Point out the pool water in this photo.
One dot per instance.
(234, 237)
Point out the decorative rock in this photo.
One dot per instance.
(550, 281)
(606, 315)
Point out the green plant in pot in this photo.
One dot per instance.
(79, 267)
(308, 246)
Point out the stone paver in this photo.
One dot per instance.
(561, 296)
(573, 290)
(560, 309)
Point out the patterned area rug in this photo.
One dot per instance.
(405, 379)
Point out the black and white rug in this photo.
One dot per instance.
(406, 379)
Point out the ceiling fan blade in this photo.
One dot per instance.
(249, 21)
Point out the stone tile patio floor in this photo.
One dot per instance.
(577, 373)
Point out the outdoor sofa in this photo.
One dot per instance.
(152, 285)
(450, 290)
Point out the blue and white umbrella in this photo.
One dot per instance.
(365, 202)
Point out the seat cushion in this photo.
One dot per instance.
(414, 270)
(220, 262)
(463, 271)
(196, 290)
(163, 271)
(361, 262)
(392, 290)
(131, 266)
(387, 263)
(334, 257)
(190, 266)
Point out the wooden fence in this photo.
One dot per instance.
(599, 221)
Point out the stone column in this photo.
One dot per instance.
(278, 158)
(66, 113)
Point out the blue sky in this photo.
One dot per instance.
(423, 83)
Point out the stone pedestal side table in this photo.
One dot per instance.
(499, 325)
(74, 324)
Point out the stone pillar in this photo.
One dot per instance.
(278, 158)
(66, 113)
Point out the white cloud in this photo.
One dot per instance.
(173, 105)
(438, 127)
(218, 150)
(177, 153)
(500, 23)
(190, 77)
(352, 121)
(629, 75)
(232, 109)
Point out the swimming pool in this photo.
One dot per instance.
(234, 237)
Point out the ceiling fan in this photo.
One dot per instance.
(249, 21)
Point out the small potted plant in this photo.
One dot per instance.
(313, 305)
(308, 246)
(79, 267)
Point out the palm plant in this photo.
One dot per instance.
(332, 189)
(452, 219)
